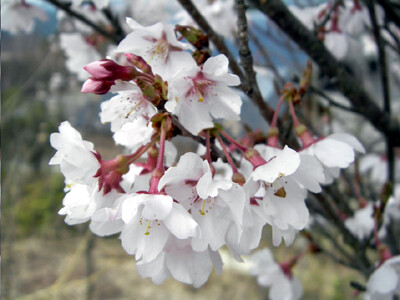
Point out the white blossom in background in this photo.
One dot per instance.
(220, 14)
(361, 224)
(18, 16)
(334, 152)
(270, 274)
(384, 282)
(78, 52)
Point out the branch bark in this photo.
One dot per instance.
(266, 111)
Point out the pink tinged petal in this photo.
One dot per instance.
(334, 153)
(284, 164)
(97, 86)
(180, 223)
(383, 281)
(97, 70)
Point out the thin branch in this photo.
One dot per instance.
(347, 83)
(381, 56)
(68, 10)
(331, 100)
(385, 84)
(246, 58)
(390, 11)
(266, 111)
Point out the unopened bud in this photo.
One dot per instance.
(107, 69)
(139, 63)
(296, 99)
(193, 35)
(97, 86)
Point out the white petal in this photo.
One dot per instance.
(181, 223)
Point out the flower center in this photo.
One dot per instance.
(160, 49)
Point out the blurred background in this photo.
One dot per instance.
(42, 257)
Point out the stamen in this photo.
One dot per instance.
(201, 99)
(147, 228)
(133, 109)
(202, 208)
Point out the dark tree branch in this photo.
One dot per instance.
(246, 58)
(347, 84)
(330, 100)
(65, 7)
(390, 11)
(385, 84)
(119, 31)
(266, 111)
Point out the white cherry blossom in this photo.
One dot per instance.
(199, 94)
(74, 155)
(126, 107)
(158, 46)
(150, 220)
(18, 16)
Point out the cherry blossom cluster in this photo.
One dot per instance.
(174, 216)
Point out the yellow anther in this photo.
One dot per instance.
(280, 192)
(147, 228)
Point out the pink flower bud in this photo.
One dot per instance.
(139, 63)
(107, 69)
(96, 86)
